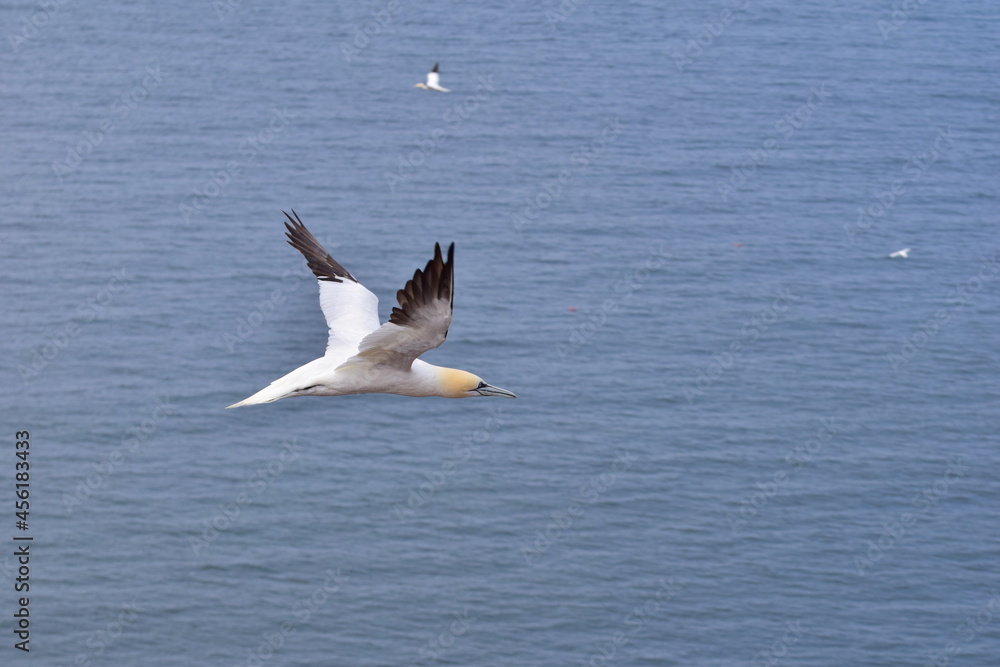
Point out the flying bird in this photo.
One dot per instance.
(433, 81)
(904, 253)
(364, 357)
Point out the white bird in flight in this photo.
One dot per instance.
(433, 81)
(363, 357)
(904, 253)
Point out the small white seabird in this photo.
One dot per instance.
(433, 81)
(363, 357)
(904, 253)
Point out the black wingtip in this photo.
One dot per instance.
(323, 266)
(435, 281)
(296, 223)
(451, 275)
(435, 67)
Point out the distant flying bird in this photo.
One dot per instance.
(904, 253)
(365, 358)
(433, 81)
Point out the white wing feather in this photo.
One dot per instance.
(351, 312)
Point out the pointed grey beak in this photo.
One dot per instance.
(490, 390)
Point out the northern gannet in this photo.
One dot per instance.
(363, 357)
(433, 81)
(904, 253)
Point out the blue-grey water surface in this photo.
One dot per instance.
(743, 434)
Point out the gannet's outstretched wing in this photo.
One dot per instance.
(419, 323)
(351, 310)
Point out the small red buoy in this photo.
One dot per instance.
(738, 245)
(571, 309)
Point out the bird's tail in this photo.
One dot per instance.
(289, 385)
(268, 394)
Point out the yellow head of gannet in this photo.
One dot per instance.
(462, 384)
(364, 357)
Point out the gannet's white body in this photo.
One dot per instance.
(901, 254)
(364, 357)
(433, 81)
